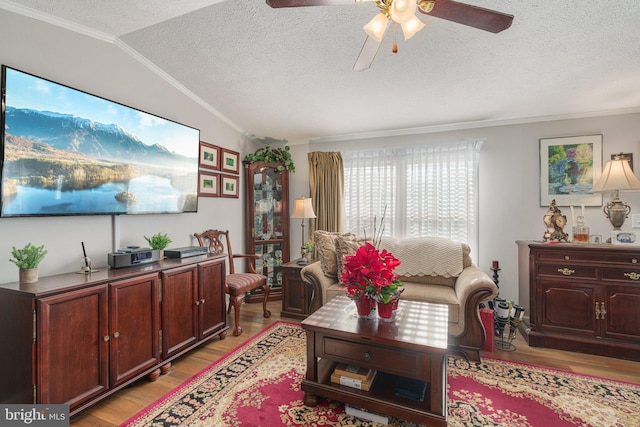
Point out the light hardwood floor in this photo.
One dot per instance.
(122, 405)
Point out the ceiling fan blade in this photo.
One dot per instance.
(299, 3)
(367, 54)
(472, 16)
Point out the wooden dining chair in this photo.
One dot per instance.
(237, 284)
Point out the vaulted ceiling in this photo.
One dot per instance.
(288, 73)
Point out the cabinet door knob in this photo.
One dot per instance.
(197, 302)
(366, 356)
(106, 338)
(634, 260)
(202, 300)
(603, 310)
(566, 271)
(116, 334)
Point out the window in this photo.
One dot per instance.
(420, 191)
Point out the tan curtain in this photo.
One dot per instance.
(326, 188)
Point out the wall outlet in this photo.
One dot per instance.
(635, 220)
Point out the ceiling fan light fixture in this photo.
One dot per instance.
(403, 10)
(411, 27)
(377, 27)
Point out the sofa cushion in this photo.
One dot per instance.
(326, 250)
(345, 247)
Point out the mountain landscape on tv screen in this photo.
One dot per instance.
(63, 152)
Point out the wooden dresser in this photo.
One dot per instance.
(585, 298)
(75, 338)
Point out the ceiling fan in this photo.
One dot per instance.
(403, 13)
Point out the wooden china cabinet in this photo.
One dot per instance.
(267, 219)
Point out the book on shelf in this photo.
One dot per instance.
(360, 383)
(351, 371)
(411, 388)
(366, 415)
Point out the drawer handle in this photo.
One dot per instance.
(633, 275)
(566, 272)
(366, 356)
(600, 311)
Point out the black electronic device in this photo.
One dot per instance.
(185, 252)
(132, 257)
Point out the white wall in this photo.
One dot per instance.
(509, 180)
(105, 70)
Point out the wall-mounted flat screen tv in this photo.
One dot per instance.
(66, 152)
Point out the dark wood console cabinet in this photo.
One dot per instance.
(76, 339)
(585, 298)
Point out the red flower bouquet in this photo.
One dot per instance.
(370, 272)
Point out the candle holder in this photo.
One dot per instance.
(496, 273)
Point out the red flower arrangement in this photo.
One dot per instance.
(370, 272)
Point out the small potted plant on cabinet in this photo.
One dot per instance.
(159, 241)
(27, 260)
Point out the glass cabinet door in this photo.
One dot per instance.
(267, 215)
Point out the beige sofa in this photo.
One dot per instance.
(433, 269)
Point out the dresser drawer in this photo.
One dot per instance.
(404, 363)
(588, 257)
(568, 271)
(629, 275)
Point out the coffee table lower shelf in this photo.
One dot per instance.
(380, 398)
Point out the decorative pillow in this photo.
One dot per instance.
(345, 247)
(326, 251)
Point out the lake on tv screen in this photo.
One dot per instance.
(151, 193)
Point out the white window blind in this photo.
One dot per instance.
(421, 191)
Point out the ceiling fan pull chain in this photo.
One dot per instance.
(394, 46)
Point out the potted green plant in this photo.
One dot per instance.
(27, 260)
(159, 241)
(273, 155)
(309, 247)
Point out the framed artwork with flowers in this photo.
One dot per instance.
(569, 167)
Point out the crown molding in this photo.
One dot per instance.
(53, 20)
(471, 125)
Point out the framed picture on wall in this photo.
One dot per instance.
(569, 167)
(230, 161)
(229, 186)
(209, 156)
(208, 184)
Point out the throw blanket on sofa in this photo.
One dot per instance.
(425, 256)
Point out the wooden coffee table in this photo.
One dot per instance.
(414, 345)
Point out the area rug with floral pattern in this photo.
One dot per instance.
(258, 384)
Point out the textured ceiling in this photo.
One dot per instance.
(287, 73)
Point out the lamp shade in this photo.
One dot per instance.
(302, 208)
(403, 10)
(377, 27)
(411, 27)
(617, 175)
